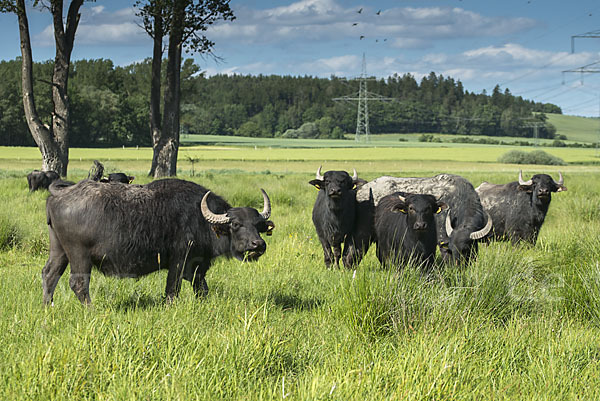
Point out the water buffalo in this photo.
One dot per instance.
(118, 177)
(405, 228)
(334, 212)
(518, 209)
(96, 173)
(41, 179)
(459, 227)
(133, 230)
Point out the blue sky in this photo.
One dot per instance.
(522, 45)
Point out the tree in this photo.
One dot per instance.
(52, 139)
(184, 22)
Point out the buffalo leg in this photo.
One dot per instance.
(327, 254)
(337, 254)
(174, 277)
(196, 273)
(81, 270)
(54, 268)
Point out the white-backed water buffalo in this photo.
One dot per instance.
(334, 212)
(405, 228)
(518, 209)
(41, 179)
(133, 230)
(460, 227)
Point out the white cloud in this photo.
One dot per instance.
(100, 27)
(400, 27)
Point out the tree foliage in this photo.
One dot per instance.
(110, 105)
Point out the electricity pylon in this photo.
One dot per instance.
(363, 97)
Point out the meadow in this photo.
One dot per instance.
(521, 322)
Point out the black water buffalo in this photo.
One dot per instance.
(334, 212)
(118, 177)
(405, 228)
(133, 230)
(460, 227)
(41, 179)
(96, 173)
(518, 209)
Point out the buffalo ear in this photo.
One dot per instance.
(220, 229)
(526, 188)
(561, 188)
(317, 183)
(399, 207)
(270, 227)
(441, 207)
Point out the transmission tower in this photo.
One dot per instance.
(592, 34)
(593, 68)
(363, 97)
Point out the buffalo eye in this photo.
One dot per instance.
(235, 225)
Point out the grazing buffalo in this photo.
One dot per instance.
(133, 230)
(460, 227)
(518, 209)
(41, 179)
(405, 228)
(118, 177)
(96, 173)
(334, 212)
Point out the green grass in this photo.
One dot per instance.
(519, 323)
(579, 129)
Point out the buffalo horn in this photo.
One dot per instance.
(449, 228)
(319, 176)
(354, 175)
(521, 182)
(266, 213)
(561, 181)
(484, 231)
(402, 198)
(210, 216)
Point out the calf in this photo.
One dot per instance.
(334, 212)
(518, 209)
(405, 228)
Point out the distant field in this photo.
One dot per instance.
(12, 156)
(579, 129)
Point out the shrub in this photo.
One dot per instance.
(10, 235)
(534, 157)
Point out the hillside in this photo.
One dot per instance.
(580, 129)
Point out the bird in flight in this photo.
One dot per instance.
(359, 11)
(356, 23)
(362, 37)
(378, 12)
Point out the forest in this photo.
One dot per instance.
(110, 105)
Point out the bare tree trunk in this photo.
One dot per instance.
(155, 121)
(41, 133)
(168, 146)
(51, 140)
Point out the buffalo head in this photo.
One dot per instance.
(243, 226)
(462, 241)
(335, 183)
(541, 186)
(420, 210)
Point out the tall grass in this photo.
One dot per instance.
(520, 322)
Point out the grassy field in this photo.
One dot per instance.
(519, 323)
(578, 129)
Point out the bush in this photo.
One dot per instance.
(534, 157)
